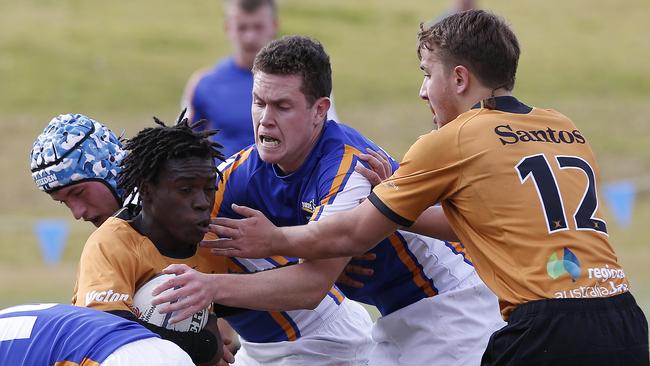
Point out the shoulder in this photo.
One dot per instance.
(241, 163)
(115, 237)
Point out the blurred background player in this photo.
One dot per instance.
(518, 186)
(434, 308)
(222, 94)
(57, 334)
(75, 150)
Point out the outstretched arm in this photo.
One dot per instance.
(345, 234)
(299, 286)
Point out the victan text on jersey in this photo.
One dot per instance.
(510, 136)
(105, 296)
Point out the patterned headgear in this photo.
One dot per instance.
(74, 148)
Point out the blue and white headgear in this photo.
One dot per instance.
(74, 148)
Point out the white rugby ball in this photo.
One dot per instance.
(149, 313)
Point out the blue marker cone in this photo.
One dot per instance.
(620, 197)
(52, 235)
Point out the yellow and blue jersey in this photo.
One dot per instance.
(63, 335)
(408, 267)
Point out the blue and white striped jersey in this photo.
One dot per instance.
(58, 334)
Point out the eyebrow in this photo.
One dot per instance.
(273, 101)
(190, 177)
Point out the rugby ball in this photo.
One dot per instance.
(146, 312)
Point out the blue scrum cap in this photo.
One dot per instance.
(74, 148)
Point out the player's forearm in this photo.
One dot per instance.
(329, 238)
(299, 286)
(433, 223)
(345, 234)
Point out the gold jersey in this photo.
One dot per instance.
(117, 260)
(519, 187)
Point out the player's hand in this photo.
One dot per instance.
(227, 357)
(192, 292)
(346, 280)
(250, 237)
(380, 167)
(212, 327)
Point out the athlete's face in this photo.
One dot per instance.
(438, 89)
(250, 31)
(286, 125)
(91, 201)
(176, 208)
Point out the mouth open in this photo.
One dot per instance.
(268, 141)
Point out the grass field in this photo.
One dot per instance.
(123, 61)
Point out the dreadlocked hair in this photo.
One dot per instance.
(153, 146)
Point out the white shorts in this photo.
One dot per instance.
(149, 351)
(452, 328)
(343, 339)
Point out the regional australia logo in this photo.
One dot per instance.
(569, 263)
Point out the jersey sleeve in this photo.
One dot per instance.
(340, 187)
(106, 275)
(430, 172)
(227, 193)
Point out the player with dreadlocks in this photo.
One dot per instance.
(173, 171)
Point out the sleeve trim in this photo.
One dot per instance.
(390, 214)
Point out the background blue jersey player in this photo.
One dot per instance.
(57, 334)
(435, 309)
(222, 93)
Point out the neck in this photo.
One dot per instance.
(243, 60)
(484, 93)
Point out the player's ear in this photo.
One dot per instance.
(322, 106)
(144, 190)
(461, 78)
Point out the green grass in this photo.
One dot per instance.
(123, 61)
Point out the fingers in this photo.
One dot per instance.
(375, 164)
(365, 257)
(348, 281)
(229, 252)
(227, 355)
(223, 232)
(169, 296)
(184, 314)
(380, 158)
(170, 283)
(359, 270)
(216, 243)
(225, 222)
(176, 269)
(245, 211)
(370, 175)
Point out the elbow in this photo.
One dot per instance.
(314, 296)
(313, 299)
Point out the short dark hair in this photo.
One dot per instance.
(478, 40)
(250, 6)
(151, 148)
(292, 55)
